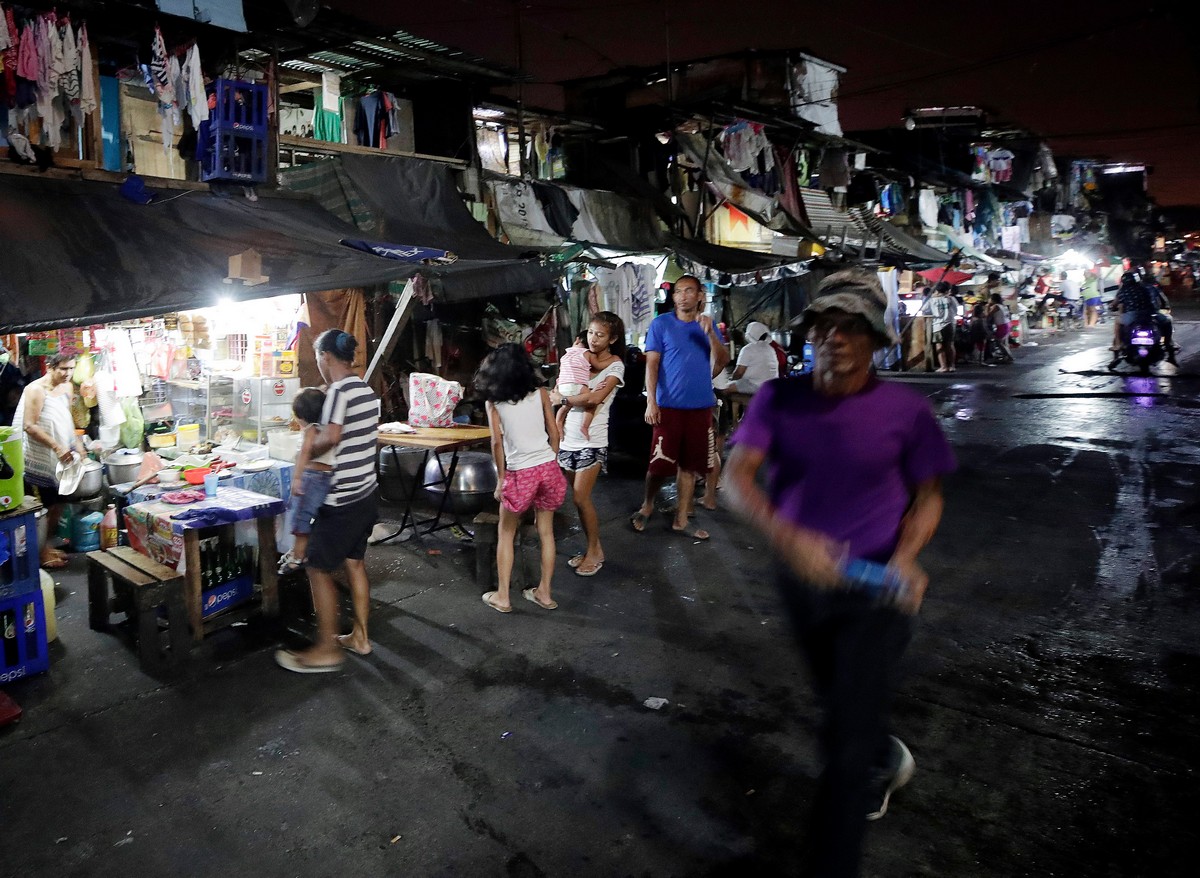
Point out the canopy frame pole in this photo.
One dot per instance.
(391, 335)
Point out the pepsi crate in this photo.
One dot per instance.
(225, 597)
(19, 573)
(23, 647)
(240, 107)
(234, 158)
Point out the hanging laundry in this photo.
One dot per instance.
(927, 204)
(1000, 163)
(557, 207)
(327, 124)
(518, 207)
(1010, 239)
(9, 40)
(641, 300)
(193, 77)
(160, 70)
(834, 171)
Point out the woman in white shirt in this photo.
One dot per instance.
(757, 362)
(583, 456)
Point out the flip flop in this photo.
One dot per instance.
(638, 522)
(291, 661)
(531, 595)
(344, 642)
(574, 563)
(589, 571)
(489, 598)
(54, 564)
(691, 532)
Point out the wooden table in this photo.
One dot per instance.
(438, 441)
(155, 532)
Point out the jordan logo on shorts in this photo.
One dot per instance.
(658, 453)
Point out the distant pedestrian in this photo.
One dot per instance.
(525, 448)
(943, 313)
(583, 452)
(757, 362)
(349, 427)
(853, 469)
(682, 350)
(999, 323)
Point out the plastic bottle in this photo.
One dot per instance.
(108, 528)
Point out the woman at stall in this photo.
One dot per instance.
(584, 455)
(349, 424)
(44, 413)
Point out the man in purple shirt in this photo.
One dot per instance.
(853, 472)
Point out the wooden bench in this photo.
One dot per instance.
(140, 586)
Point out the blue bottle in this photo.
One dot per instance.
(874, 578)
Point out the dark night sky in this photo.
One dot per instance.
(1113, 80)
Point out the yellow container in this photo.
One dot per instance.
(287, 363)
(187, 436)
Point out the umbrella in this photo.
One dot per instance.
(951, 276)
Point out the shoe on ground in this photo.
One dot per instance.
(898, 774)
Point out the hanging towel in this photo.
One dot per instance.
(87, 83)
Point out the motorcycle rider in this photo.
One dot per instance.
(1138, 300)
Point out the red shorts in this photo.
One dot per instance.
(542, 487)
(682, 440)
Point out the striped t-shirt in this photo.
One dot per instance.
(351, 403)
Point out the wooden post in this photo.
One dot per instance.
(191, 584)
(268, 559)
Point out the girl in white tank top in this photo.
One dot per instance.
(525, 447)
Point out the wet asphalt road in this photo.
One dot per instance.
(1052, 700)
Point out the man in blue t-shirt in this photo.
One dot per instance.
(682, 352)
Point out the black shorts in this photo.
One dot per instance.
(340, 533)
(48, 496)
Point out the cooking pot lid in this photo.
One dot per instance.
(124, 455)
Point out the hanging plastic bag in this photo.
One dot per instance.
(134, 426)
(84, 369)
(432, 400)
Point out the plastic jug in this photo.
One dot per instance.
(108, 528)
(87, 532)
(48, 602)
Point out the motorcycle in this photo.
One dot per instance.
(1143, 349)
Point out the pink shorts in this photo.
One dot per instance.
(542, 487)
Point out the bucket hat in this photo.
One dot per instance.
(853, 291)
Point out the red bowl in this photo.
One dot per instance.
(196, 476)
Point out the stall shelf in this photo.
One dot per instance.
(261, 405)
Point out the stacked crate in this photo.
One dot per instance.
(237, 117)
(23, 647)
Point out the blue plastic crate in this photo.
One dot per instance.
(19, 572)
(241, 107)
(26, 651)
(235, 159)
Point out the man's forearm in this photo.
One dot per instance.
(920, 523)
(652, 380)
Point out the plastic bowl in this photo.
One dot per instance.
(196, 476)
(169, 477)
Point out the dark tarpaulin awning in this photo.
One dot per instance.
(415, 202)
(74, 252)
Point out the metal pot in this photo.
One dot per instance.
(474, 482)
(123, 466)
(91, 483)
